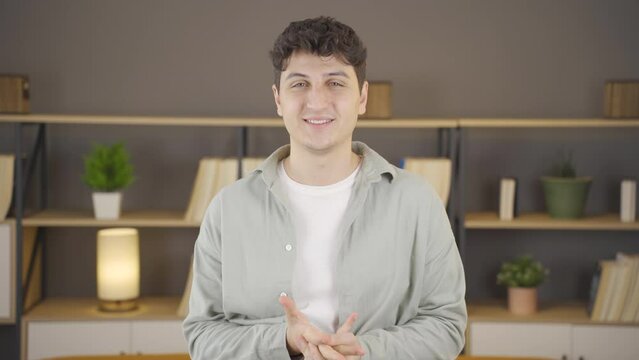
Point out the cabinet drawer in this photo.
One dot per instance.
(514, 339)
(605, 342)
(53, 338)
(157, 337)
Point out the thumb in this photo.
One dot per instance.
(348, 324)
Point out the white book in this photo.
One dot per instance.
(507, 198)
(631, 303)
(628, 200)
(6, 184)
(435, 171)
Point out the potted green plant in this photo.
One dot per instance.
(565, 193)
(107, 170)
(522, 276)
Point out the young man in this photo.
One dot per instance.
(326, 251)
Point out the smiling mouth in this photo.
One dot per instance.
(318, 121)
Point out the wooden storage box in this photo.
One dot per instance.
(14, 94)
(621, 99)
(379, 104)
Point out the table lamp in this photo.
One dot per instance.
(118, 269)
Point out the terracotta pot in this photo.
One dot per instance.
(522, 301)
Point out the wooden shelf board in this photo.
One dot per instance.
(568, 312)
(79, 218)
(548, 123)
(408, 123)
(209, 121)
(541, 221)
(84, 309)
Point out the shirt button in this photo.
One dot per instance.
(283, 294)
(288, 247)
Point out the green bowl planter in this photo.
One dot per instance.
(566, 197)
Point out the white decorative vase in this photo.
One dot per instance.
(106, 205)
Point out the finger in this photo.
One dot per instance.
(314, 352)
(289, 307)
(350, 350)
(329, 353)
(315, 336)
(302, 345)
(348, 324)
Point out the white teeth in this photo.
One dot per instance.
(318, 122)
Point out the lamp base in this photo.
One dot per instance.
(118, 305)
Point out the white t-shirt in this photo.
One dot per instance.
(317, 212)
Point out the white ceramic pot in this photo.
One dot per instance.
(106, 205)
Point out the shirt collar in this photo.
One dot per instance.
(374, 166)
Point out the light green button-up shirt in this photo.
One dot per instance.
(398, 268)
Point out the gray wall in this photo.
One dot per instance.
(491, 58)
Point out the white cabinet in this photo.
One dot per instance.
(156, 336)
(554, 340)
(591, 342)
(56, 338)
(520, 339)
(7, 272)
(47, 339)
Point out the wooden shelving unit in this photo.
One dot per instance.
(564, 313)
(70, 218)
(79, 309)
(413, 123)
(542, 221)
(547, 123)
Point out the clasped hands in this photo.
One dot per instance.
(304, 338)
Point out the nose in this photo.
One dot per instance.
(317, 98)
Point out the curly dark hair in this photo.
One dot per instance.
(322, 36)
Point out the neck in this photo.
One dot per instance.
(321, 169)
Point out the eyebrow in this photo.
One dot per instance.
(334, 73)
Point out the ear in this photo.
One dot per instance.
(363, 98)
(276, 96)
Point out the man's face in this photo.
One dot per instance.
(319, 100)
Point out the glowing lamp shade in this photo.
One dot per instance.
(118, 269)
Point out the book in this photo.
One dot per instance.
(507, 195)
(619, 291)
(212, 175)
(203, 189)
(436, 171)
(628, 201)
(631, 302)
(6, 183)
(601, 301)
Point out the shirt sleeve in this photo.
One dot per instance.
(208, 333)
(437, 330)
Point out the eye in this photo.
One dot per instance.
(335, 83)
(299, 84)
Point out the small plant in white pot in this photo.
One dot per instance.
(107, 171)
(522, 276)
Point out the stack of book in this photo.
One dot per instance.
(614, 294)
(212, 175)
(436, 171)
(6, 184)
